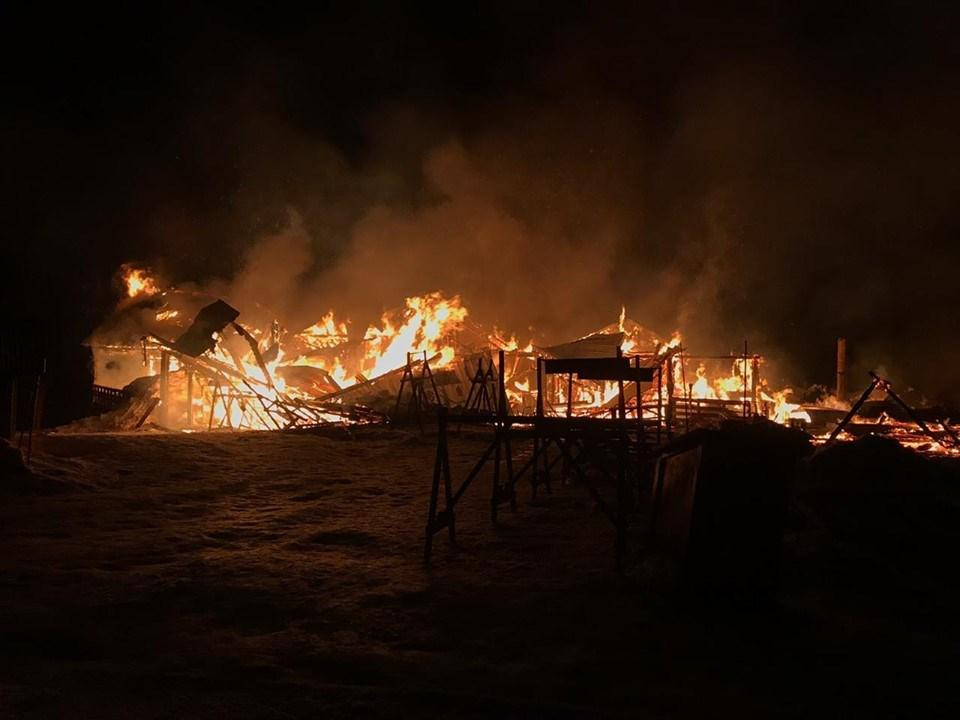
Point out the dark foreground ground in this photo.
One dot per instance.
(269, 575)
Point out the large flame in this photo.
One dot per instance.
(138, 281)
(430, 326)
(423, 327)
(325, 333)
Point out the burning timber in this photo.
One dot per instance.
(216, 374)
(179, 360)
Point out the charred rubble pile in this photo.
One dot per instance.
(175, 359)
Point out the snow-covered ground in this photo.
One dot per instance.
(280, 575)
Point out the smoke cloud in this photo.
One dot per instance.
(783, 179)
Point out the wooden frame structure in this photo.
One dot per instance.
(418, 401)
(584, 444)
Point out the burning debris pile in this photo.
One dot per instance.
(182, 360)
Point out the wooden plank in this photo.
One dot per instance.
(611, 368)
(592, 346)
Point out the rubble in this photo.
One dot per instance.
(211, 370)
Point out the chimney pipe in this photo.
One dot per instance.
(841, 368)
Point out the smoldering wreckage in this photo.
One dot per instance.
(637, 420)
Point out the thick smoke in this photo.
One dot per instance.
(761, 212)
(783, 179)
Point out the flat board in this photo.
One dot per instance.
(610, 368)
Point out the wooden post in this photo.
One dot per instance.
(164, 388)
(853, 410)
(540, 387)
(659, 399)
(467, 404)
(841, 368)
(435, 488)
(213, 404)
(13, 408)
(36, 419)
(621, 404)
(189, 397)
(621, 512)
(535, 475)
(671, 402)
(505, 429)
(403, 380)
(502, 386)
(745, 405)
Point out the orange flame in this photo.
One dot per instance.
(423, 326)
(138, 281)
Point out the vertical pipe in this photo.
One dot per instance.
(841, 368)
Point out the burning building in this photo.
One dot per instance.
(183, 360)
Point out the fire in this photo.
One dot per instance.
(424, 326)
(784, 411)
(138, 281)
(628, 342)
(724, 387)
(512, 345)
(701, 388)
(325, 333)
(431, 326)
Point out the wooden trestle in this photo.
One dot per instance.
(581, 443)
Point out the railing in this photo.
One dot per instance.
(107, 398)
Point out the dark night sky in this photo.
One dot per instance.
(783, 172)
